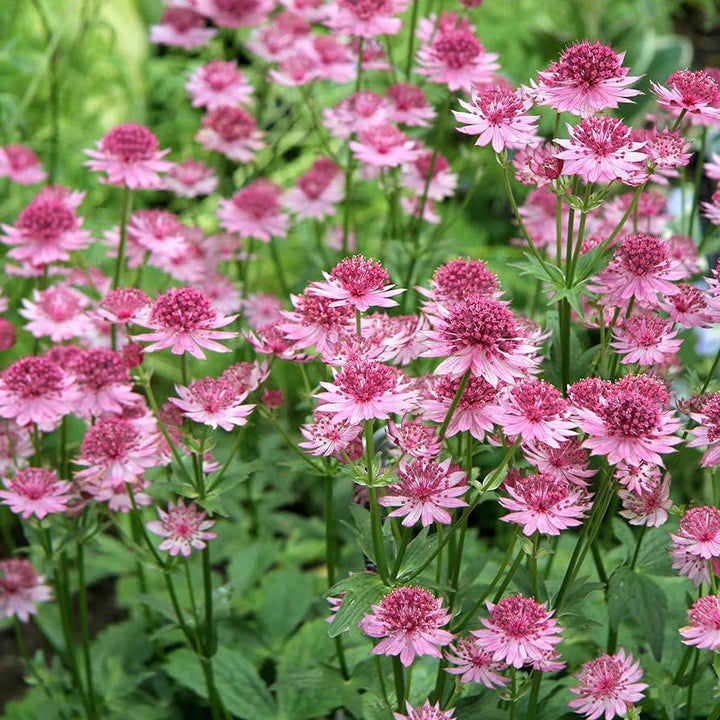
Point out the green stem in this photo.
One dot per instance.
(22, 649)
(691, 685)
(411, 39)
(534, 694)
(454, 404)
(698, 177)
(532, 566)
(513, 692)
(124, 217)
(511, 573)
(330, 540)
(677, 679)
(399, 682)
(285, 288)
(85, 628)
(711, 372)
(375, 520)
(638, 545)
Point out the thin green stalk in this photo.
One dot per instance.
(631, 208)
(638, 545)
(677, 678)
(532, 566)
(85, 629)
(22, 649)
(511, 573)
(375, 520)
(711, 372)
(698, 177)
(330, 539)
(439, 555)
(399, 683)
(454, 404)
(691, 685)
(284, 287)
(411, 39)
(233, 450)
(513, 692)
(575, 254)
(124, 217)
(534, 694)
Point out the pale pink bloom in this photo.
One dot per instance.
(639, 478)
(314, 11)
(545, 504)
(519, 630)
(358, 283)
(326, 436)
(280, 38)
(629, 426)
(695, 92)
(261, 309)
(332, 59)
(457, 280)
(57, 313)
(452, 55)
(480, 334)
(296, 70)
(254, 212)
(399, 337)
(645, 339)
(183, 527)
(117, 496)
(538, 165)
(35, 491)
(667, 150)
(712, 167)
(550, 662)
(315, 321)
(384, 145)
(414, 439)
(316, 192)
(600, 150)
(431, 170)
(47, 230)
(130, 156)
(15, 446)
(184, 320)
(374, 55)
(271, 340)
(190, 267)
(409, 619)
(474, 663)
(687, 307)
(707, 431)
(704, 628)
(425, 491)
(191, 178)
(425, 712)
(36, 390)
(218, 83)
(413, 205)
(21, 589)
(589, 77)
(160, 232)
(357, 113)
(247, 376)
(181, 27)
(498, 116)
(214, 402)
(21, 165)
(711, 210)
(231, 131)
(365, 18)
(235, 13)
(699, 532)
(410, 105)
(568, 462)
(366, 390)
(651, 508)
(124, 305)
(608, 685)
(535, 411)
(652, 215)
(692, 566)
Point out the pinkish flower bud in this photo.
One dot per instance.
(132, 354)
(7, 334)
(273, 398)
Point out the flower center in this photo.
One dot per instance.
(46, 220)
(457, 48)
(130, 143)
(183, 310)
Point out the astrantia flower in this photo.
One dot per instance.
(519, 630)
(218, 83)
(247, 376)
(58, 313)
(711, 210)
(21, 589)
(569, 461)
(637, 478)
(691, 566)
(231, 131)
(184, 320)
(35, 390)
(645, 339)
(254, 212)
(316, 320)
(316, 192)
(425, 712)
(327, 436)
(458, 279)
(384, 146)
(498, 116)
(35, 491)
(410, 621)
(473, 663)
(589, 77)
(262, 308)
(332, 58)
(214, 402)
(124, 305)
(667, 150)
(704, 628)
(687, 307)
(181, 27)
(707, 432)
(432, 170)
(537, 165)
(414, 439)
(543, 504)
(699, 532)
(366, 18)
(411, 107)
(191, 178)
(183, 527)
(357, 113)
(650, 508)
(366, 390)
(695, 92)
(600, 150)
(235, 13)
(21, 165)
(425, 490)
(358, 283)
(608, 685)
(481, 335)
(130, 156)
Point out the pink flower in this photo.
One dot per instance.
(214, 402)
(270, 340)
(366, 390)
(316, 320)
(608, 685)
(191, 178)
(124, 305)
(704, 628)
(498, 116)
(645, 339)
(697, 93)
(411, 107)
(316, 192)
(650, 508)
(519, 630)
(130, 156)
(589, 77)
(366, 18)
(160, 232)
(247, 376)
(254, 212)
(355, 114)
(692, 566)
(414, 439)
(425, 490)
(699, 532)
(184, 320)
(452, 55)
(326, 436)
(358, 283)
(667, 150)
(58, 313)
(537, 165)
(436, 174)
(35, 390)
(15, 446)
(638, 478)
(261, 309)
(474, 663)
(425, 712)
(183, 528)
(687, 307)
(481, 335)
(218, 83)
(410, 621)
(384, 146)
(21, 589)
(21, 165)
(35, 491)
(181, 27)
(600, 150)
(46, 231)
(281, 37)
(711, 210)
(568, 462)
(231, 131)
(235, 13)
(707, 432)
(458, 279)
(332, 59)
(543, 504)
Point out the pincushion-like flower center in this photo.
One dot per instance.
(20, 157)
(425, 161)
(130, 143)
(109, 439)
(359, 276)
(218, 74)
(182, 19)
(46, 219)
(483, 323)
(33, 377)
(602, 135)
(646, 330)
(98, 368)
(366, 103)
(630, 415)
(213, 394)
(34, 483)
(702, 523)
(365, 9)
(316, 310)
(422, 479)
(539, 400)
(124, 302)
(695, 87)
(406, 96)
(383, 138)
(457, 48)
(230, 123)
(258, 200)
(17, 575)
(518, 616)
(59, 303)
(183, 310)
(706, 612)
(366, 380)
(314, 183)
(643, 254)
(457, 279)
(587, 64)
(407, 609)
(498, 105)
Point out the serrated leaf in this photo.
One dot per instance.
(361, 590)
(160, 605)
(315, 692)
(288, 595)
(417, 553)
(546, 272)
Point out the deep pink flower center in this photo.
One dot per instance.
(109, 439)
(643, 255)
(316, 310)
(33, 377)
(498, 105)
(602, 135)
(366, 10)
(59, 304)
(190, 172)
(314, 183)
(588, 64)
(630, 415)
(258, 200)
(238, 8)
(541, 493)
(219, 74)
(359, 276)
(20, 157)
(646, 330)
(518, 616)
(34, 483)
(701, 523)
(457, 48)
(457, 279)
(98, 368)
(425, 160)
(688, 299)
(329, 50)
(483, 323)
(230, 123)
(667, 148)
(183, 310)
(17, 575)
(213, 394)
(478, 391)
(46, 220)
(366, 103)
(383, 138)
(366, 381)
(407, 609)
(406, 96)
(422, 480)
(182, 19)
(125, 302)
(539, 400)
(130, 143)
(603, 676)
(706, 612)
(695, 87)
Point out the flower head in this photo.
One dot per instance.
(704, 628)
(191, 178)
(316, 320)
(255, 212)
(699, 532)
(21, 589)
(21, 165)
(326, 436)
(58, 313)
(124, 305)
(384, 145)
(366, 18)
(232, 131)
(35, 491)
(414, 439)
(651, 507)
(473, 663)
(218, 83)
(695, 92)
(214, 402)
(409, 619)
(411, 106)
(645, 339)
(183, 527)
(235, 13)
(568, 461)
(181, 27)
(425, 712)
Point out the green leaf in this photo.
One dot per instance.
(654, 557)
(361, 591)
(624, 534)
(417, 553)
(288, 594)
(160, 605)
(547, 272)
(315, 692)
